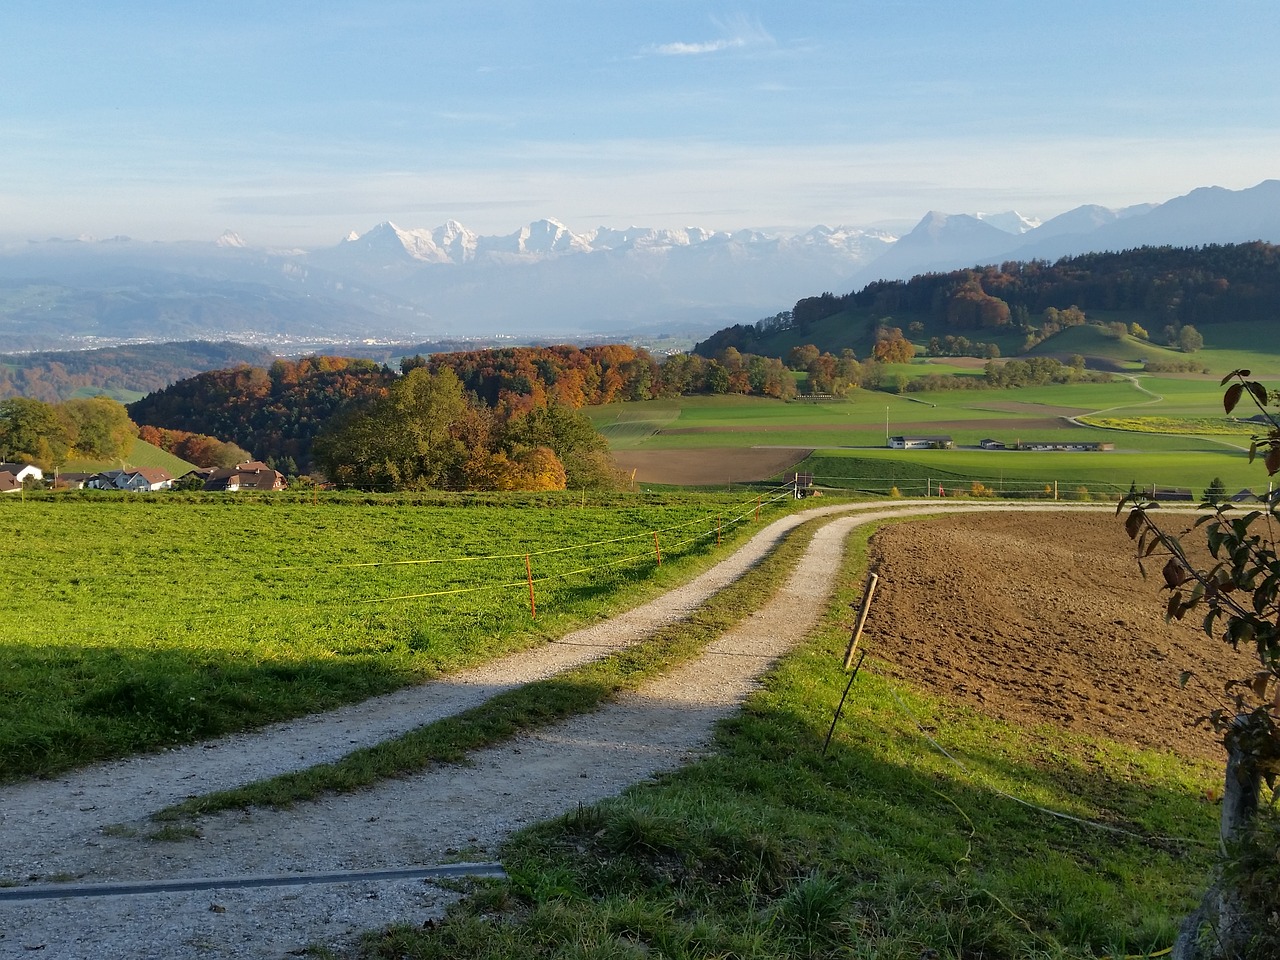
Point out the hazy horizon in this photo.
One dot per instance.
(294, 124)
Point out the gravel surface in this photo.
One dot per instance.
(84, 826)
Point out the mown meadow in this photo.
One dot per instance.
(924, 830)
(144, 620)
(1168, 429)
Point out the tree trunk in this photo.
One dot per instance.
(1220, 908)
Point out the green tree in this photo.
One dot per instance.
(99, 428)
(1189, 339)
(406, 440)
(1216, 491)
(717, 378)
(679, 374)
(571, 436)
(32, 432)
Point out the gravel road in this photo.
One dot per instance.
(85, 826)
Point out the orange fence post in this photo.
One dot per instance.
(656, 549)
(528, 572)
(757, 509)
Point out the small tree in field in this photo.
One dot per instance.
(1239, 597)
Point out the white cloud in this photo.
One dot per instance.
(685, 49)
(737, 32)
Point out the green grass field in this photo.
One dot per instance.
(157, 619)
(142, 454)
(1167, 430)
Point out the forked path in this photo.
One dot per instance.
(78, 825)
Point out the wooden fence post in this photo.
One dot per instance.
(528, 572)
(864, 608)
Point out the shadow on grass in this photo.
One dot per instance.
(770, 849)
(66, 706)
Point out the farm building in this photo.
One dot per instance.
(1059, 446)
(250, 475)
(137, 479)
(1176, 494)
(22, 471)
(921, 443)
(1246, 496)
(12, 476)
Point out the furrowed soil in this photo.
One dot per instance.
(1045, 619)
(710, 467)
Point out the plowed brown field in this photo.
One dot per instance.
(708, 467)
(1046, 619)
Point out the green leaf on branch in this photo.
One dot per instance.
(1232, 396)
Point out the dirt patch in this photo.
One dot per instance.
(708, 467)
(1042, 619)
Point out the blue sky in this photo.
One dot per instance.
(296, 122)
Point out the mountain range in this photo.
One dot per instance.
(543, 280)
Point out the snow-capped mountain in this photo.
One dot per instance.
(387, 243)
(1011, 221)
(544, 279)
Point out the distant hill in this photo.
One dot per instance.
(1205, 216)
(1159, 288)
(274, 412)
(1103, 348)
(123, 373)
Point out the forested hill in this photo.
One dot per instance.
(1161, 288)
(121, 372)
(277, 412)
(274, 412)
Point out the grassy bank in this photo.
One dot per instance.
(883, 847)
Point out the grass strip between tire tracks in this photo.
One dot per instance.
(526, 708)
(880, 849)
